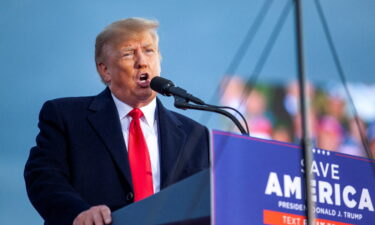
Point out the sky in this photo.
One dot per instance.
(46, 52)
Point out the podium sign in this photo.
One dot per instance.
(256, 181)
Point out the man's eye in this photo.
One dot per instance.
(150, 50)
(127, 54)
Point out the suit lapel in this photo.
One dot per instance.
(105, 121)
(171, 141)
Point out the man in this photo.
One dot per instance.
(97, 154)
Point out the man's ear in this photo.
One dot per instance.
(160, 57)
(104, 72)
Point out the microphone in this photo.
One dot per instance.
(182, 98)
(167, 88)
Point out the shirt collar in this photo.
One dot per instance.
(148, 111)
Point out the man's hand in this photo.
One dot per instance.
(96, 215)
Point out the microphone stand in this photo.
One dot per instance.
(182, 103)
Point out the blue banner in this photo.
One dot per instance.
(258, 181)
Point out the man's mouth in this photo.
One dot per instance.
(143, 80)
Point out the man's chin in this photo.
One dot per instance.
(145, 98)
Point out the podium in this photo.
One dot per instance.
(257, 181)
(186, 202)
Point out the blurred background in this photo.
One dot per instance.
(214, 49)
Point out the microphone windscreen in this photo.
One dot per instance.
(161, 85)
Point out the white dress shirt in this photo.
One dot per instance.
(150, 132)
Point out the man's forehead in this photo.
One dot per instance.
(143, 39)
(131, 45)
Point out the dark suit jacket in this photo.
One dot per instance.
(80, 159)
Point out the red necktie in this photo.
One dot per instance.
(139, 158)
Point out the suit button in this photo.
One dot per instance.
(130, 196)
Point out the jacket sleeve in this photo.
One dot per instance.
(47, 174)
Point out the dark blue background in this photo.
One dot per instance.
(242, 166)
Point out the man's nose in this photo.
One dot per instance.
(141, 61)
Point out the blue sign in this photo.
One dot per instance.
(257, 181)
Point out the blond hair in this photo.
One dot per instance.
(124, 29)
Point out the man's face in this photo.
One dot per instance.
(128, 67)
